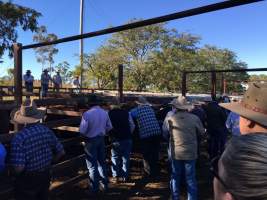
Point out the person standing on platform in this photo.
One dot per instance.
(149, 134)
(121, 139)
(28, 81)
(57, 80)
(181, 129)
(76, 85)
(45, 78)
(94, 125)
(33, 150)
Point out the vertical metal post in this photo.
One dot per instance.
(17, 48)
(184, 84)
(222, 84)
(81, 41)
(213, 85)
(120, 83)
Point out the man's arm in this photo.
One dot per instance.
(108, 124)
(57, 148)
(166, 128)
(131, 123)
(84, 125)
(17, 157)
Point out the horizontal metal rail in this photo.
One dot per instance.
(228, 70)
(165, 18)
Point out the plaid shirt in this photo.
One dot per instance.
(147, 122)
(33, 148)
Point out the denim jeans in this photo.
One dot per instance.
(44, 90)
(180, 169)
(120, 157)
(29, 87)
(95, 160)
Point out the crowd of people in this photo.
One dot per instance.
(238, 165)
(46, 79)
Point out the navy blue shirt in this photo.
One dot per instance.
(2, 157)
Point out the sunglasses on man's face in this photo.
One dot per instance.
(214, 168)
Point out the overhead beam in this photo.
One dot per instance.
(165, 18)
(229, 70)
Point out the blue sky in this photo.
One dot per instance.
(242, 29)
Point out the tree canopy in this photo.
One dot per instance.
(154, 58)
(13, 16)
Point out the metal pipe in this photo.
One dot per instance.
(229, 70)
(81, 41)
(177, 15)
(120, 83)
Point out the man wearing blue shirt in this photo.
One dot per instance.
(94, 125)
(33, 149)
(2, 157)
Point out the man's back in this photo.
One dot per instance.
(95, 122)
(147, 122)
(120, 122)
(33, 147)
(216, 116)
(183, 136)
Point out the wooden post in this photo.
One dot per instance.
(213, 85)
(17, 48)
(184, 84)
(120, 83)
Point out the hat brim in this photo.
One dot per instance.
(181, 107)
(20, 119)
(143, 103)
(244, 112)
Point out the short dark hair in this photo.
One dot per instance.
(245, 166)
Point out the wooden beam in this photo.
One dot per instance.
(63, 122)
(68, 128)
(72, 141)
(63, 112)
(70, 182)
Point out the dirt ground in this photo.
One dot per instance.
(141, 189)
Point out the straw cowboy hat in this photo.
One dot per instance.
(28, 113)
(181, 103)
(142, 101)
(253, 105)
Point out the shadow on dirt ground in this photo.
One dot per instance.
(140, 188)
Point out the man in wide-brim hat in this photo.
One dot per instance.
(252, 109)
(181, 129)
(28, 81)
(142, 101)
(32, 151)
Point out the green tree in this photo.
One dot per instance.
(45, 55)
(13, 16)
(136, 45)
(63, 69)
(101, 67)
